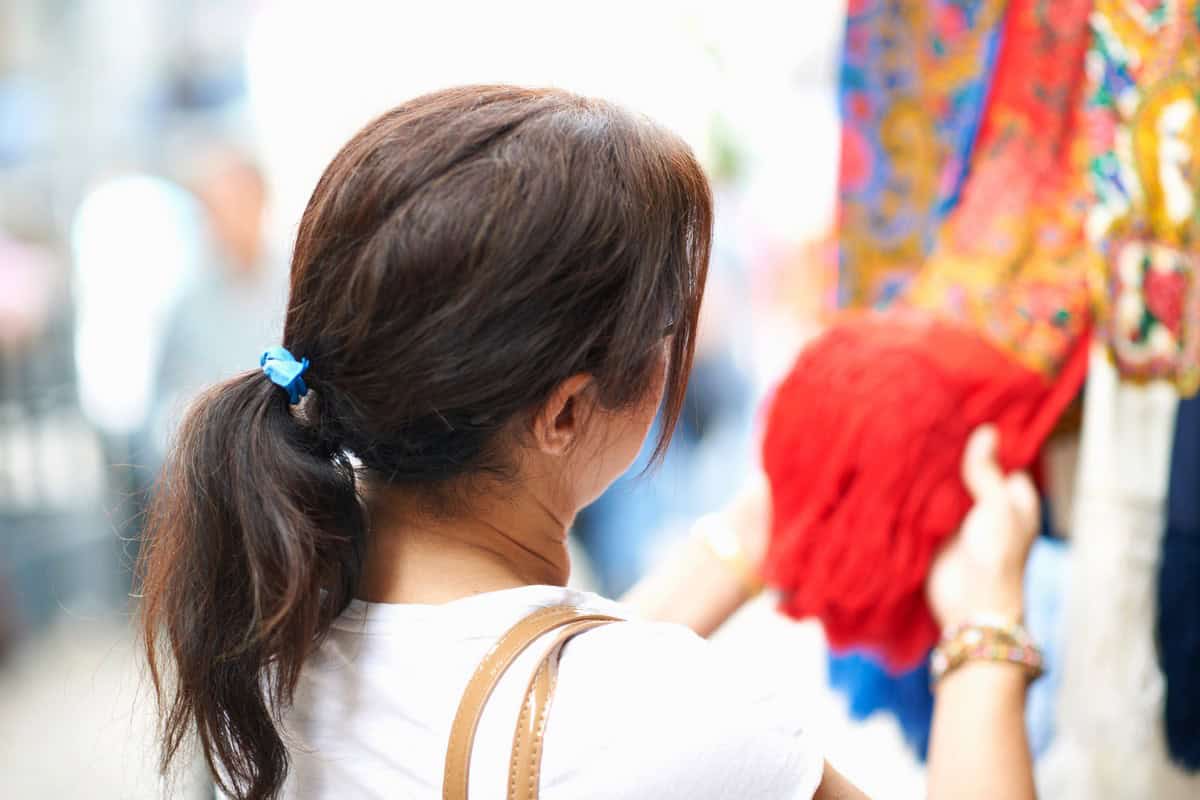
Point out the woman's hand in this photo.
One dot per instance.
(978, 747)
(981, 570)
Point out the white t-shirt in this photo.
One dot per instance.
(641, 710)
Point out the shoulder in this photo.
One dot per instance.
(656, 707)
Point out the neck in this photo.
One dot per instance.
(501, 543)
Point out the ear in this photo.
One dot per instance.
(559, 421)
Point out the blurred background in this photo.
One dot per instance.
(154, 159)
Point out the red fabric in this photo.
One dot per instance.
(862, 448)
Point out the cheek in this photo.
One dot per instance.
(622, 439)
(659, 385)
(617, 452)
(636, 425)
(647, 410)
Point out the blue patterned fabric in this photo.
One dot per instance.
(913, 85)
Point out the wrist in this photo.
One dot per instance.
(721, 541)
(1006, 604)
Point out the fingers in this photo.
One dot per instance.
(985, 480)
(980, 472)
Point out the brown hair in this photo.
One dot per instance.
(460, 257)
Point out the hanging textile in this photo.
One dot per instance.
(914, 77)
(1013, 259)
(1144, 121)
(862, 448)
(1144, 124)
(1178, 624)
(1109, 742)
(864, 436)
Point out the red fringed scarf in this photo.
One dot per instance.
(864, 437)
(862, 449)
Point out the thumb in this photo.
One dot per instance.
(980, 472)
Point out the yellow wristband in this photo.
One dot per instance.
(722, 542)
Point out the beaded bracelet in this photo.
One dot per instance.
(986, 639)
(988, 625)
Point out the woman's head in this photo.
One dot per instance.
(485, 280)
(469, 251)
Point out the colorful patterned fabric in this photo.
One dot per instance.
(1012, 260)
(1144, 126)
(913, 83)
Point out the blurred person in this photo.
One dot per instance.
(493, 292)
(28, 278)
(236, 300)
(134, 246)
(28, 288)
(31, 287)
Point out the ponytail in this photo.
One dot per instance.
(253, 545)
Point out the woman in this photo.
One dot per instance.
(493, 291)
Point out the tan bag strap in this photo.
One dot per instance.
(525, 768)
(479, 688)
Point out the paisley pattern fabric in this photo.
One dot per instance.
(1143, 120)
(1013, 259)
(914, 79)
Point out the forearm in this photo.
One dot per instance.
(978, 746)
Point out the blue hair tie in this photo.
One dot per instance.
(284, 370)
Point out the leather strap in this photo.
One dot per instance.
(526, 766)
(479, 688)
